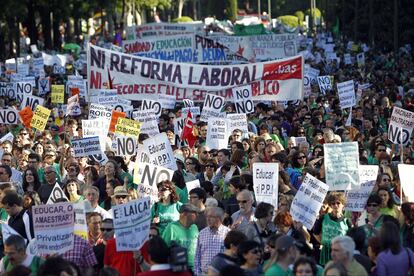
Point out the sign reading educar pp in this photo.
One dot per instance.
(138, 78)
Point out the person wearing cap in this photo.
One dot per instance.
(285, 255)
(184, 232)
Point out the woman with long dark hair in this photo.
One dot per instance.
(110, 173)
(31, 180)
(394, 260)
(166, 209)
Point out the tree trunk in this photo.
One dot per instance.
(371, 22)
(57, 42)
(10, 25)
(123, 14)
(46, 27)
(180, 8)
(356, 14)
(30, 22)
(395, 21)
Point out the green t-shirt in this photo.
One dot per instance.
(330, 230)
(185, 237)
(182, 194)
(167, 214)
(275, 269)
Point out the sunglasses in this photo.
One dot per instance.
(209, 166)
(372, 205)
(107, 229)
(205, 152)
(121, 196)
(386, 180)
(302, 157)
(242, 201)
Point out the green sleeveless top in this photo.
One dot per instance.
(330, 230)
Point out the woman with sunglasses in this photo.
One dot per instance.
(250, 257)
(192, 165)
(299, 161)
(374, 218)
(210, 168)
(167, 209)
(331, 225)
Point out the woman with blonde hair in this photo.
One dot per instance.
(332, 224)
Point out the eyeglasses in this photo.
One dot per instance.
(242, 201)
(120, 196)
(205, 152)
(107, 229)
(209, 166)
(301, 157)
(372, 205)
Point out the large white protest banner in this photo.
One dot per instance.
(346, 93)
(86, 146)
(138, 78)
(217, 133)
(242, 97)
(195, 111)
(325, 84)
(237, 121)
(266, 182)
(401, 126)
(308, 201)
(356, 199)
(53, 227)
(147, 176)
(126, 145)
(160, 151)
(213, 107)
(341, 165)
(132, 222)
(405, 172)
(9, 116)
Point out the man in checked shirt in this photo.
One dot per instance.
(210, 240)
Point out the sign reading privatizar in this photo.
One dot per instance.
(53, 227)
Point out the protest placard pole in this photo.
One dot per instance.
(402, 147)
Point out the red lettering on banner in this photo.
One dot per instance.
(137, 47)
(271, 87)
(290, 69)
(255, 88)
(96, 80)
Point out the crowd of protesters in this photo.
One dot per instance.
(220, 224)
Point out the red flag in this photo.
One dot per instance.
(188, 131)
